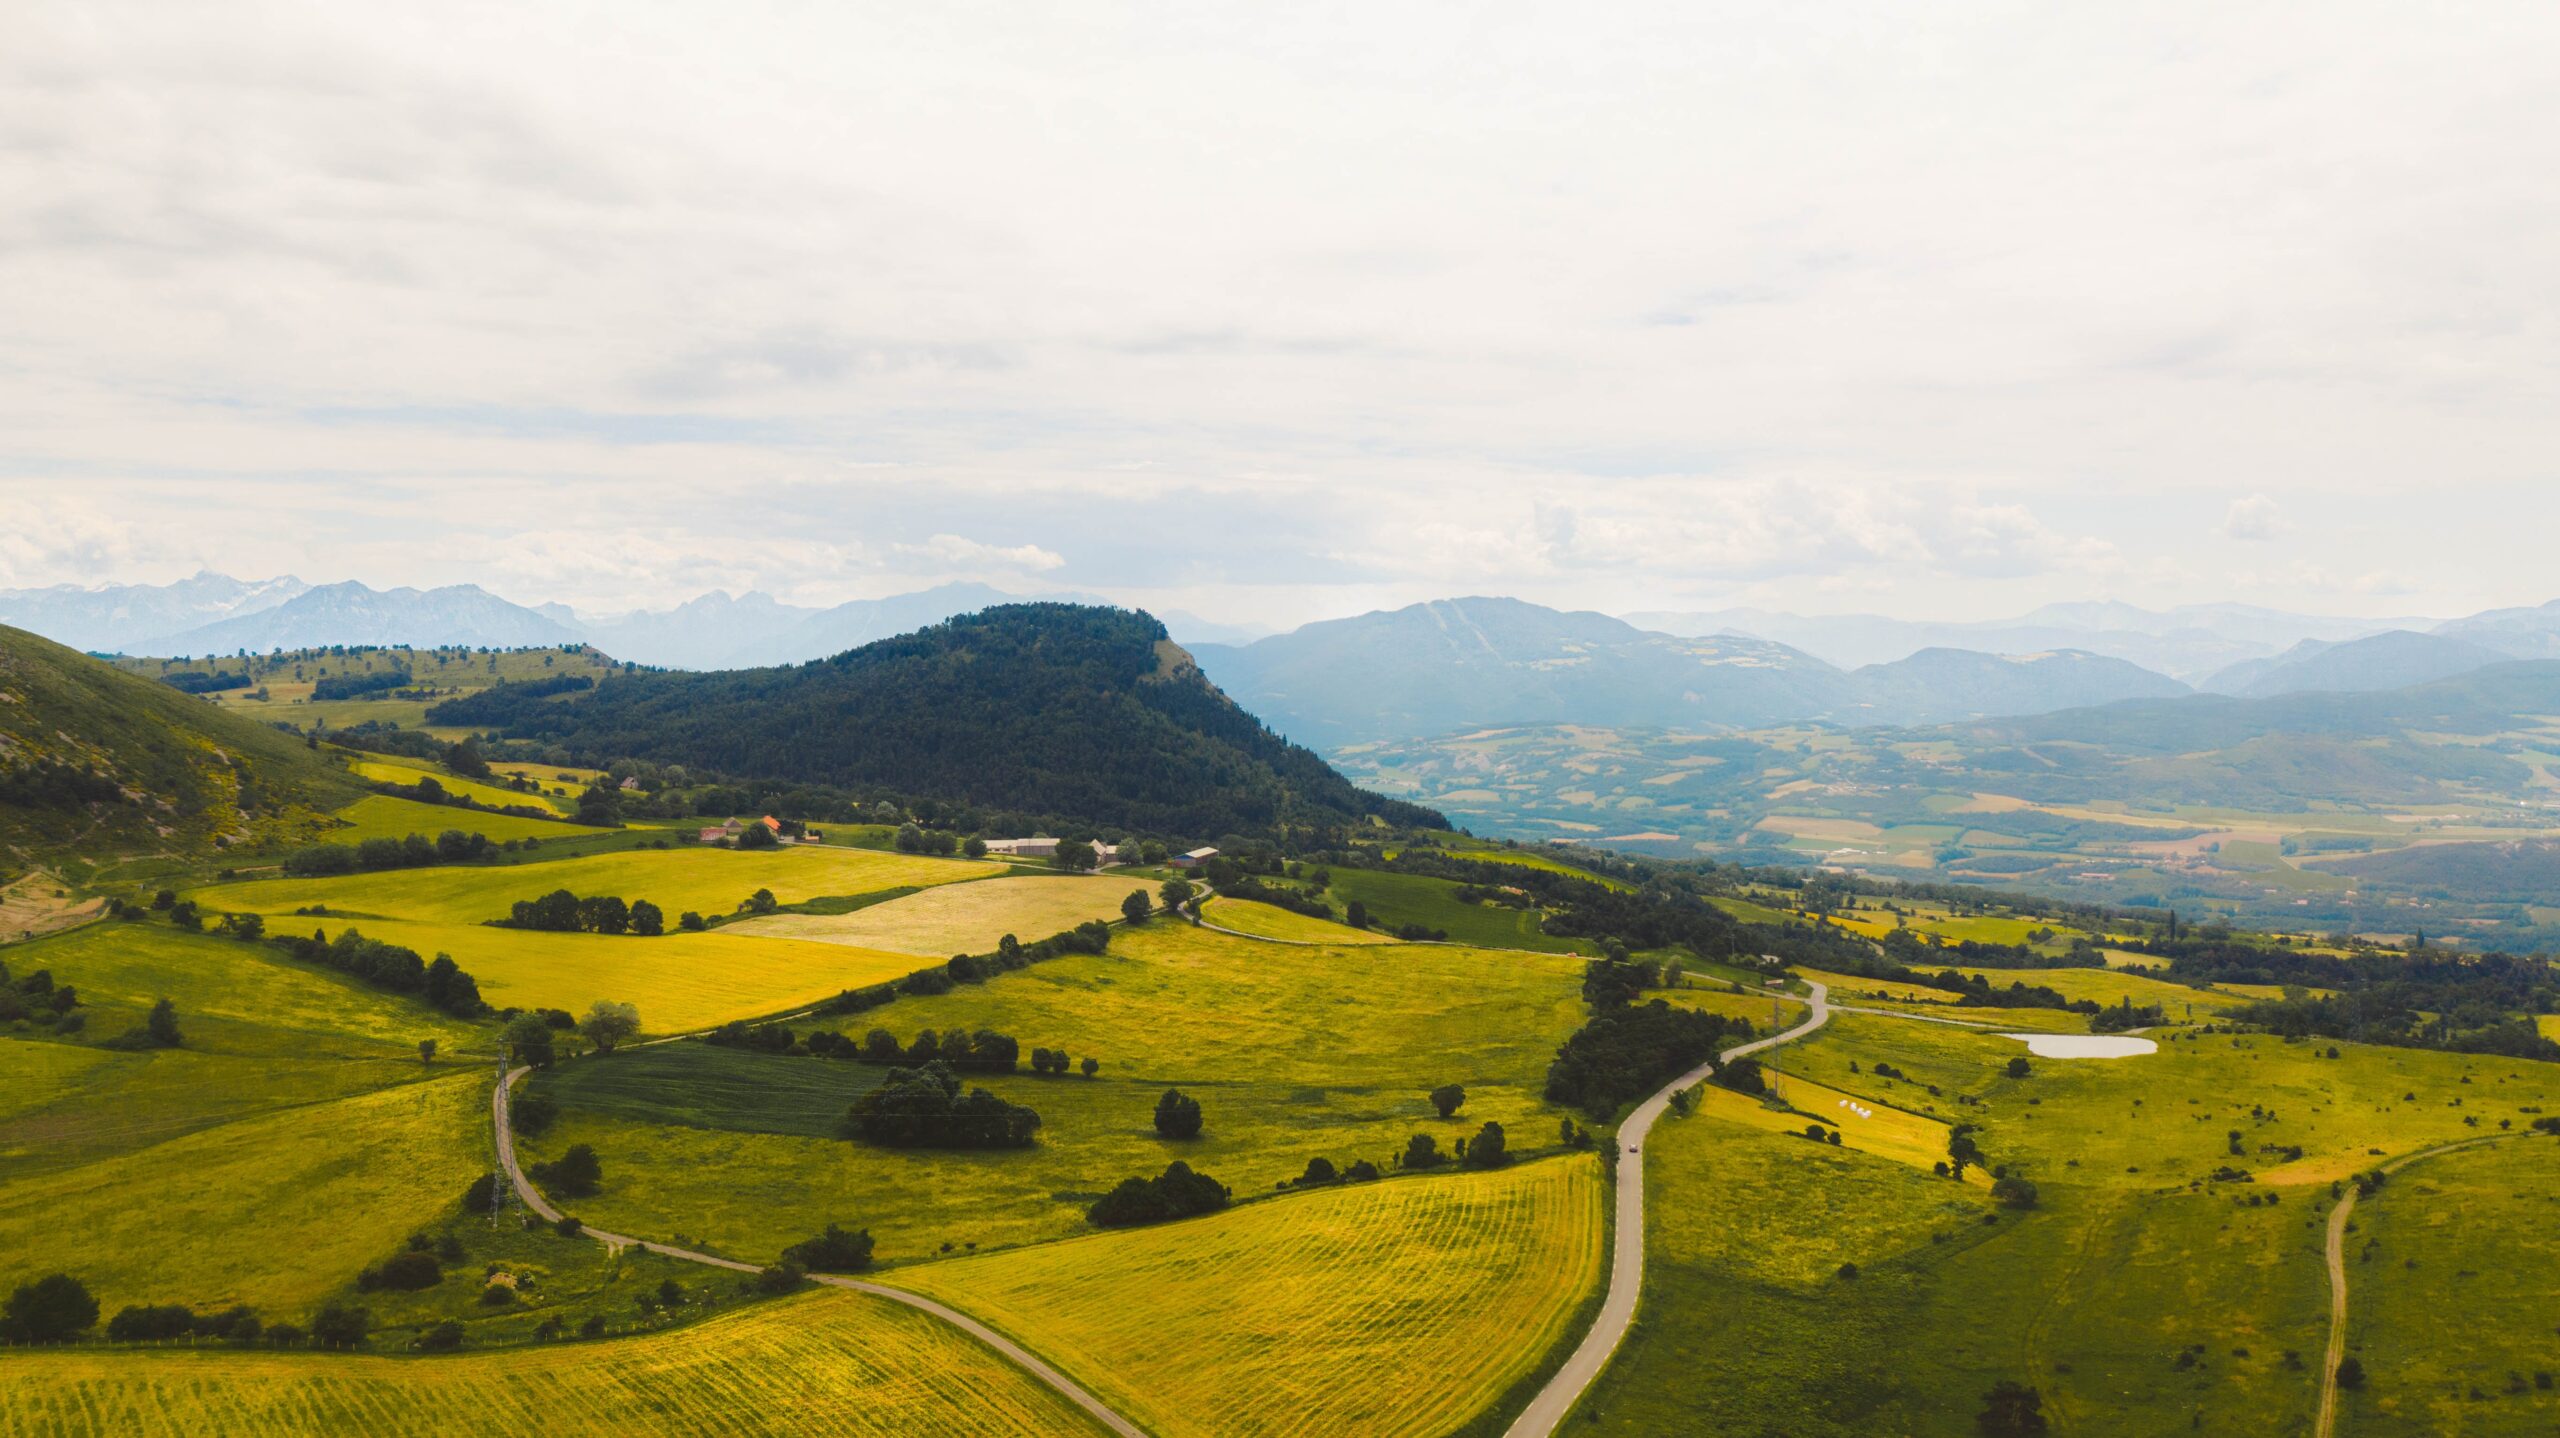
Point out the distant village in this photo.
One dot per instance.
(1042, 846)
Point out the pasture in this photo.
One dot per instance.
(1268, 921)
(2475, 1233)
(384, 816)
(407, 774)
(960, 918)
(1397, 1309)
(705, 880)
(1312, 1052)
(1395, 900)
(274, 1211)
(842, 1365)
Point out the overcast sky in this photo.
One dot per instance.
(1277, 312)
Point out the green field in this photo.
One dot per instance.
(382, 816)
(1397, 1309)
(961, 918)
(407, 774)
(699, 1085)
(1395, 900)
(829, 1363)
(1300, 1062)
(2450, 1272)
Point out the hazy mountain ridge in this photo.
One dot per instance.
(2394, 659)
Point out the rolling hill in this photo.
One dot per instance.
(114, 763)
(2392, 660)
(1039, 708)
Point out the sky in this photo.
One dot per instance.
(1273, 313)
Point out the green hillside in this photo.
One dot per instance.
(109, 764)
(1042, 708)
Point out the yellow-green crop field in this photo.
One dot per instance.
(704, 880)
(274, 1211)
(960, 918)
(844, 1365)
(1396, 1309)
(1881, 1129)
(389, 771)
(383, 816)
(1272, 922)
(1292, 1061)
(2110, 987)
(678, 981)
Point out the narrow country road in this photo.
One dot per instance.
(1626, 1264)
(2337, 1253)
(504, 1130)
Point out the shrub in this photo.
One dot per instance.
(140, 1324)
(575, 1174)
(340, 1325)
(1421, 1151)
(531, 1113)
(404, 1273)
(2011, 1410)
(569, 1226)
(443, 1338)
(1448, 1099)
(834, 1251)
(2014, 1192)
(782, 1277)
(1178, 1115)
(482, 1195)
(498, 1295)
(1176, 1193)
(1488, 1149)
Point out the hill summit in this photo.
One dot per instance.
(1059, 709)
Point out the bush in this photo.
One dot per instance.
(341, 1325)
(140, 1324)
(532, 1112)
(1488, 1149)
(402, 1273)
(569, 1226)
(2010, 1410)
(2014, 1192)
(1178, 1115)
(834, 1251)
(53, 1309)
(782, 1277)
(443, 1338)
(482, 1195)
(1448, 1099)
(575, 1174)
(1176, 1193)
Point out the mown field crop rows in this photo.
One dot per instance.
(961, 918)
(1394, 1309)
(838, 1364)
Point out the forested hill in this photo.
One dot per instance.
(117, 763)
(1041, 708)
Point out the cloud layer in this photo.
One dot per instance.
(1273, 315)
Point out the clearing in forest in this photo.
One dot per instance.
(1395, 1309)
(831, 1363)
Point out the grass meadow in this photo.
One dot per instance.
(497, 796)
(831, 1363)
(1395, 900)
(1396, 1309)
(383, 816)
(2450, 1272)
(1269, 921)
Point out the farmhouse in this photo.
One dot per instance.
(1194, 859)
(1036, 848)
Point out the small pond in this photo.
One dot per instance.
(2085, 1046)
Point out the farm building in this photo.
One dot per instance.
(1036, 848)
(1194, 859)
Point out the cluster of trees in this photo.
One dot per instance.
(2126, 1015)
(429, 791)
(58, 1308)
(442, 983)
(1178, 1115)
(1054, 1063)
(188, 681)
(1322, 1174)
(575, 1174)
(357, 686)
(1175, 1193)
(1489, 1148)
(1626, 1051)
(154, 1323)
(2424, 998)
(414, 851)
(834, 1251)
(1245, 886)
(36, 998)
(53, 784)
(158, 1030)
(562, 912)
(983, 1051)
(1090, 937)
(925, 1108)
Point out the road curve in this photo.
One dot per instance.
(1067, 1388)
(2337, 1256)
(1626, 1264)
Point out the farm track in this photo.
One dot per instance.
(1626, 1265)
(504, 1132)
(2337, 1258)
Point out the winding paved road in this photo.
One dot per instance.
(1067, 1387)
(1626, 1264)
(2328, 1421)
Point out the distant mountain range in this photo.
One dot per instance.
(1454, 664)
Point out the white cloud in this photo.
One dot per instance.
(958, 553)
(2255, 517)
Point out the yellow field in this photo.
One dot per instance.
(830, 1363)
(1383, 1309)
(387, 771)
(1849, 988)
(679, 981)
(959, 918)
(380, 816)
(1882, 1130)
(1269, 922)
(2107, 986)
(708, 881)
(275, 1212)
